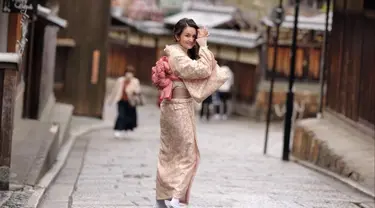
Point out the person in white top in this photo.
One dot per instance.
(225, 95)
(126, 93)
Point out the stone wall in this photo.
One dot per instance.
(46, 95)
(332, 145)
(306, 102)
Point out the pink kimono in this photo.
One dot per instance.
(179, 154)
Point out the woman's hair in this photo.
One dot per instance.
(179, 28)
(130, 68)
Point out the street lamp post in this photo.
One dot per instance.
(277, 18)
(290, 94)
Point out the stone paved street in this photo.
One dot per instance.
(103, 172)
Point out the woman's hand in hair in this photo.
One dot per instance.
(202, 37)
(202, 32)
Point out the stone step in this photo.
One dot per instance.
(33, 149)
(337, 147)
(36, 145)
(62, 114)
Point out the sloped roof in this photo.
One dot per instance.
(235, 38)
(208, 19)
(204, 15)
(312, 22)
(218, 36)
(149, 27)
(46, 14)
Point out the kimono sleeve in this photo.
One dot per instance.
(186, 68)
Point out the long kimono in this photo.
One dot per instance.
(179, 154)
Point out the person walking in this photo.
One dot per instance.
(127, 94)
(188, 73)
(205, 109)
(225, 95)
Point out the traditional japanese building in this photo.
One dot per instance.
(309, 57)
(343, 141)
(33, 125)
(82, 55)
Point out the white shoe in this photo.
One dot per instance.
(117, 134)
(172, 204)
(216, 117)
(120, 134)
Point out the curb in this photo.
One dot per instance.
(335, 176)
(61, 159)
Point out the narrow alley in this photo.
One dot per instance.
(103, 172)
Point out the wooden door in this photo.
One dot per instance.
(85, 77)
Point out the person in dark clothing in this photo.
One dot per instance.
(205, 110)
(225, 95)
(126, 93)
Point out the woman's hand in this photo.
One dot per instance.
(202, 37)
(202, 32)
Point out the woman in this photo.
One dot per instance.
(126, 93)
(189, 72)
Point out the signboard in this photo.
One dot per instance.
(15, 6)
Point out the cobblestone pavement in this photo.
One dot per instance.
(103, 172)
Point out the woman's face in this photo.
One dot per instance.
(129, 75)
(188, 37)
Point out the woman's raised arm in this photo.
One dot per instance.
(186, 68)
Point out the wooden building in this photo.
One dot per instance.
(310, 40)
(309, 46)
(82, 55)
(342, 140)
(40, 64)
(32, 129)
(350, 81)
(9, 65)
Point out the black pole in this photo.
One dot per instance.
(290, 94)
(324, 62)
(270, 96)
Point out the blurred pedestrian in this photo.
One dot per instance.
(216, 102)
(127, 95)
(205, 109)
(189, 73)
(225, 94)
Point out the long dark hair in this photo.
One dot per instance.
(179, 28)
